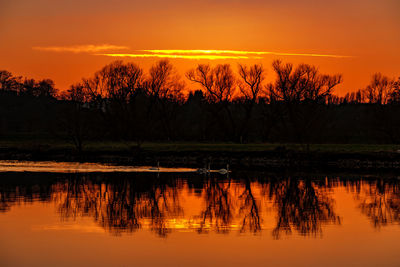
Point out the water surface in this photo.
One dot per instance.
(79, 167)
(188, 219)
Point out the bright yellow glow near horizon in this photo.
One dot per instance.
(175, 56)
(236, 52)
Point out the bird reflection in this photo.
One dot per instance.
(125, 203)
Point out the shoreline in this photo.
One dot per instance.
(276, 159)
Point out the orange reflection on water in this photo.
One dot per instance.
(118, 219)
(219, 206)
(66, 167)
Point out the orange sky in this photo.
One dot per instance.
(66, 40)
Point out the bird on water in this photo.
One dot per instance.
(224, 171)
(155, 168)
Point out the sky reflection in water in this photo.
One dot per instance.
(254, 207)
(78, 167)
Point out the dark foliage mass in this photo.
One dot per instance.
(122, 102)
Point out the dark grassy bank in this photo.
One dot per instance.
(261, 156)
(49, 144)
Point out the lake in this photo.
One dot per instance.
(123, 217)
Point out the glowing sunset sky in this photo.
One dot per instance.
(66, 40)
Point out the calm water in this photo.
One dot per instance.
(188, 219)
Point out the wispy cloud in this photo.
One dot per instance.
(81, 48)
(193, 56)
(115, 51)
(238, 52)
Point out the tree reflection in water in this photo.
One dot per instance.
(301, 205)
(122, 205)
(379, 199)
(127, 202)
(249, 209)
(218, 205)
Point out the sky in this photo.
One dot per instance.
(67, 40)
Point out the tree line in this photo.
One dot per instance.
(211, 103)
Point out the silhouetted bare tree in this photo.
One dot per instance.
(302, 90)
(8, 82)
(395, 94)
(75, 117)
(379, 90)
(250, 87)
(381, 96)
(113, 91)
(165, 89)
(219, 87)
(45, 88)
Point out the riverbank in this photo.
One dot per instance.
(356, 157)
